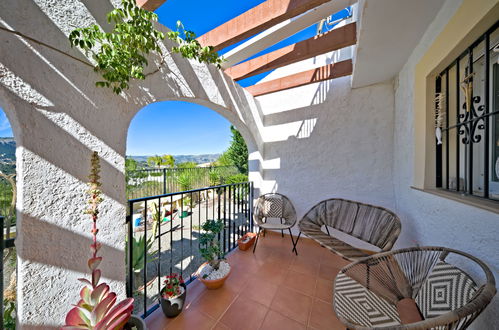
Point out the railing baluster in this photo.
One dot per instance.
(2, 245)
(145, 258)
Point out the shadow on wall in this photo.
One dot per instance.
(342, 148)
(61, 241)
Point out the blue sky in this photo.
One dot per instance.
(180, 127)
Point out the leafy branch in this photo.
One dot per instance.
(121, 54)
(190, 48)
(209, 243)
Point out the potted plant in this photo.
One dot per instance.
(246, 241)
(96, 308)
(172, 295)
(215, 270)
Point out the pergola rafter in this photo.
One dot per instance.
(255, 20)
(326, 72)
(332, 40)
(150, 5)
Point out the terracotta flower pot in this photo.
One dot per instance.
(211, 284)
(243, 246)
(173, 306)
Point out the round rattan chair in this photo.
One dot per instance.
(276, 206)
(413, 288)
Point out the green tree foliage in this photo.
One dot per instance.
(187, 165)
(190, 48)
(168, 160)
(238, 151)
(120, 55)
(223, 160)
(158, 161)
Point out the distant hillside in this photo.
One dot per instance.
(199, 159)
(7, 155)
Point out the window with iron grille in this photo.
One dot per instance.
(467, 120)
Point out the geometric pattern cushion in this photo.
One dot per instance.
(355, 303)
(446, 288)
(273, 207)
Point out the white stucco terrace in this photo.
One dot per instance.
(362, 137)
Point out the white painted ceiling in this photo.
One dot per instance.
(388, 33)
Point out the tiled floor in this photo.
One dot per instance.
(271, 289)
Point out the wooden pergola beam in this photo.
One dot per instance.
(332, 40)
(326, 72)
(255, 20)
(150, 5)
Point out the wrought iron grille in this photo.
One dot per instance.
(466, 112)
(172, 245)
(6, 243)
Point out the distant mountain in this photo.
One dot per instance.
(7, 155)
(199, 159)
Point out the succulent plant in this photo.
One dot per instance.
(97, 309)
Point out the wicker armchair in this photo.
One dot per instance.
(275, 206)
(372, 224)
(413, 288)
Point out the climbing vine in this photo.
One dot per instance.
(120, 55)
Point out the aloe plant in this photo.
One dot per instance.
(97, 309)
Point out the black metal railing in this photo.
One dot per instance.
(163, 235)
(151, 182)
(6, 243)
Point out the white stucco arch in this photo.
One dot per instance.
(223, 112)
(58, 117)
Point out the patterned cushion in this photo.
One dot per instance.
(355, 303)
(272, 207)
(446, 288)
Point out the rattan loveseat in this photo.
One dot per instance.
(372, 224)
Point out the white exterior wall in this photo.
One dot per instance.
(327, 140)
(429, 219)
(59, 117)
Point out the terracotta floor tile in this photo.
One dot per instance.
(220, 326)
(214, 302)
(327, 272)
(292, 304)
(305, 266)
(157, 320)
(310, 253)
(331, 259)
(272, 272)
(323, 317)
(324, 290)
(260, 291)
(272, 277)
(300, 282)
(191, 320)
(285, 257)
(194, 290)
(274, 321)
(244, 314)
(237, 278)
